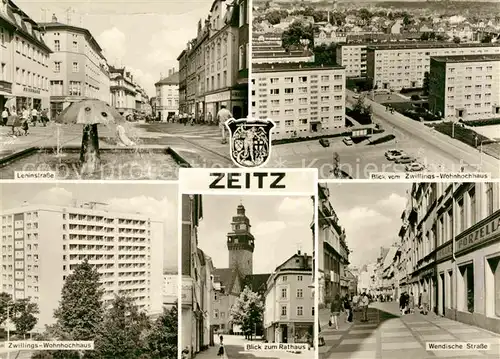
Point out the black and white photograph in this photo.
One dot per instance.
(120, 90)
(362, 87)
(247, 276)
(92, 262)
(409, 270)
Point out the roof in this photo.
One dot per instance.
(391, 252)
(173, 79)
(425, 45)
(466, 58)
(300, 66)
(256, 282)
(61, 26)
(226, 277)
(258, 54)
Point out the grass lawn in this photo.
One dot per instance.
(468, 137)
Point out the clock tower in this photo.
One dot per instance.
(241, 243)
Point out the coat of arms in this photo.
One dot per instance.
(250, 141)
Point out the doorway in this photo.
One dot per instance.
(314, 127)
(237, 112)
(443, 294)
(284, 333)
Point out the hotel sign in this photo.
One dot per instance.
(444, 252)
(35, 91)
(482, 233)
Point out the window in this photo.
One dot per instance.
(467, 286)
(300, 311)
(57, 66)
(75, 88)
(283, 310)
(461, 219)
(289, 90)
(283, 293)
(472, 200)
(489, 199)
(75, 67)
(300, 293)
(494, 279)
(75, 46)
(57, 45)
(284, 278)
(275, 91)
(299, 278)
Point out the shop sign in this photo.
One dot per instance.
(218, 97)
(490, 229)
(187, 293)
(238, 95)
(5, 86)
(27, 89)
(444, 252)
(431, 272)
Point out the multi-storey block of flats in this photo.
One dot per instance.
(453, 231)
(41, 245)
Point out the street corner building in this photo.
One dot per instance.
(213, 68)
(42, 244)
(450, 239)
(25, 60)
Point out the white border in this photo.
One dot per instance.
(277, 193)
(250, 56)
(396, 181)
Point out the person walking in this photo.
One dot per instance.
(402, 303)
(411, 303)
(222, 116)
(25, 116)
(221, 347)
(5, 116)
(365, 302)
(348, 309)
(209, 119)
(34, 116)
(335, 309)
(425, 302)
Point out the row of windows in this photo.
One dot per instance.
(299, 311)
(31, 52)
(290, 90)
(28, 78)
(298, 294)
(57, 66)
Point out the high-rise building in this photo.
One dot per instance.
(41, 245)
(79, 68)
(353, 57)
(303, 99)
(465, 87)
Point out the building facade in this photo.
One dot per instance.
(183, 62)
(333, 253)
(167, 93)
(41, 245)
(123, 90)
(170, 288)
(24, 60)
(454, 251)
(465, 87)
(398, 66)
(304, 100)
(79, 68)
(353, 58)
(289, 302)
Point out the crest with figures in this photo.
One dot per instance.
(250, 141)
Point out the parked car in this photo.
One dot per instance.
(348, 141)
(405, 159)
(324, 142)
(393, 155)
(414, 167)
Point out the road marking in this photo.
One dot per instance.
(369, 340)
(398, 346)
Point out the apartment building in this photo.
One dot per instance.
(79, 68)
(41, 245)
(24, 60)
(354, 58)
(302, 99)
(333, 253)
(266, 39)
(167, 93)
(403, 65)
(123, 90)
(454, 249)
(289, 302)
(277, 55)
(329, 35)
(465, 87)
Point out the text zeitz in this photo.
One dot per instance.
(249, 180)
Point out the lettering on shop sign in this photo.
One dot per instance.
(250, 180)
(27, 89)
(444, 252)
(481, 234)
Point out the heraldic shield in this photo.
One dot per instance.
(250, 141)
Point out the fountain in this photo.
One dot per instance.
(87, 159)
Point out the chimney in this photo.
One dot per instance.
(54, 18)
(298, 252)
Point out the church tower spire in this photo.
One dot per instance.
(241, 243)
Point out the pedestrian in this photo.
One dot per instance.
(347, 308)
(420, 300)
(222, 117)
(209, 119)
(411, 303)
(221, 347)
(335, 309)
(45, 117)
(25, 118)
(425, 302)
(402, 303)
(5, 116)
(34, 116)
(365, 302)
(355, 301)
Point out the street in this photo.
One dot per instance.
(387, 333)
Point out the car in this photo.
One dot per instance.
(324, 142)
(405, 159)
(348, 141)
(414, 167)
(395, 155)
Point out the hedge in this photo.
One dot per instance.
(308, 138)
(479, 123)
(383, 139)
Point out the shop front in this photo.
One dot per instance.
(29, 98)
(5, 93)
(234, 100)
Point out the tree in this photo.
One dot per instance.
(407, 20)
(5, 301)
(425, 36)
(325, 54)
(487, 39)
(426, 83)
(162, 340)
(362, 112)
(247, 312)
(121, 332)
(274, 17)
(456, 40)
(296, 32)
(24, 316)
(80, 310)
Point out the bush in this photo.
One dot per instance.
(415, 97)
(407, 90)
(383, 139)
(307, 138)
(479, 123)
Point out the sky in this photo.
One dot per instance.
(156, 200)
(370, 214)
(146, 36)
(280, 225)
